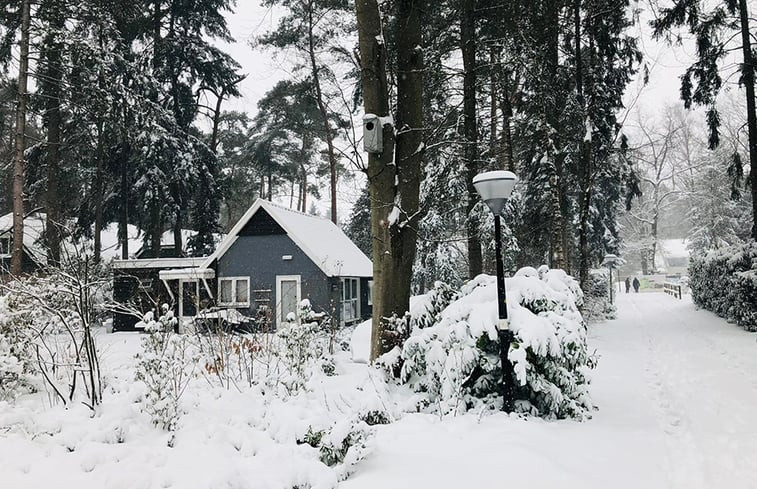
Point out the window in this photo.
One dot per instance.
(234, 291)
(350, 299)
(5, 246)
(370, 292)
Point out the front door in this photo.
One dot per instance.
(287, 296)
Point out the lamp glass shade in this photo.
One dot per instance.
(495, 188)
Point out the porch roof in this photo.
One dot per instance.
(187, 273)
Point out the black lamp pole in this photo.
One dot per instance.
(503, 327)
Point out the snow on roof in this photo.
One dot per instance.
(110, 247)
(320, 239)
(34, 229)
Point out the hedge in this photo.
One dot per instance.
(724, 281)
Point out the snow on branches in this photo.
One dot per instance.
(451, 355)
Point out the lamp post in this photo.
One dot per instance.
(609, 261)
(495, 188)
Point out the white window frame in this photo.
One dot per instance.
(234, 302)
(287, 278)
(356, 299)
(9, 240)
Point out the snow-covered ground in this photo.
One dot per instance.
(676, 390)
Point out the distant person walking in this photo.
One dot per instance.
(636, 284)
(628, 284)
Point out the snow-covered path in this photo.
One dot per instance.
(676, 390)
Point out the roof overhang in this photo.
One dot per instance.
(187, 274)
(193, 262)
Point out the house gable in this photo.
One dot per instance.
(321, 240)
(261, 224)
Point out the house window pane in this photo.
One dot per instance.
(354, 289)
(5, 246)
(226, 295)
(243, 292)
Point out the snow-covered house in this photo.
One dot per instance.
(270, 261)
(34, 253)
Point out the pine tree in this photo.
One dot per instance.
(714, 26)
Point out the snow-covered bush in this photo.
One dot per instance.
(597, 305)
(455, 361)
(57, 311)
(16, 367)
(301, 341)
(341, 446)
(166, 365)
(724, 281)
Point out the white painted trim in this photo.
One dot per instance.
(158, 263)
(187, 273)
(234, 280)
(357, 297)
(282, 278)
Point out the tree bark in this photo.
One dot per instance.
(585, 170)
(18, 164)
(53, 122)
(324, 114)
(97, 191)
(393, 176)
(470, 129)
(748, 77)
(557, 233)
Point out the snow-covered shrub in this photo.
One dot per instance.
(16, 366)
(597, 305)
(300, 343)
(57, 311)
(166, 365)
(724, 281)
(455, 361)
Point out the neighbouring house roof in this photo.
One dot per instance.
(34, 230)
(320, 239)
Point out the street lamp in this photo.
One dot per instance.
(495, 188)
(610, 261)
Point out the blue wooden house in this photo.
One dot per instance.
(270, 261)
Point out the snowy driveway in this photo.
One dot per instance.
(676, 390)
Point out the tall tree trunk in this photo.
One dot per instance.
(470, 128)
(585, 170)
(557, 236)
(123, 222)
(394, 180)
(156, 228)
(324, 114)
(178, 241)
(494, 148)
(18, 164)
(97, 191)
(748, 77)
(51, 86)
(506, 140)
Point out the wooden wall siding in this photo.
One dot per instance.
(261, 224)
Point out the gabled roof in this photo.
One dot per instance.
(34, 230)
(320, 239)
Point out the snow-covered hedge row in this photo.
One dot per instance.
(725, 282)
(452, 353)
